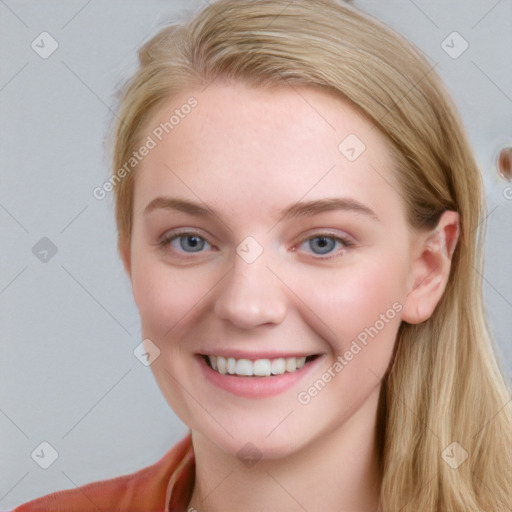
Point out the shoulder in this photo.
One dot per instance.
(146, 489)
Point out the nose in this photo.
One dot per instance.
(250, 295)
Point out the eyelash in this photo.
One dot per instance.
(165, 240)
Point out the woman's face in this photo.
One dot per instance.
(265, 231)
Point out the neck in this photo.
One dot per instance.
(337, 471)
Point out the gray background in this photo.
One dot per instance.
(69, 325)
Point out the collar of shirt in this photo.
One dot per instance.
(181, 483)
(165, 486)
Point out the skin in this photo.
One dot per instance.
(248, 153)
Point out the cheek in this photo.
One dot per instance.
(361, 303)
(164, 295)
(362, 307)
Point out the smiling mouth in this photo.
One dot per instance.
(257, 368)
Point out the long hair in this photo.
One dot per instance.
(446, 436)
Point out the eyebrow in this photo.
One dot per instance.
(295, 210)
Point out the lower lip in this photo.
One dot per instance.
(256, 387)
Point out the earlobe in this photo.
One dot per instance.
(430, 268)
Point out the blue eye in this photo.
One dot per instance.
(325, 244)
(322, 246)
(322, 243)
(185, 242)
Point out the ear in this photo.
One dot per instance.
(430, 268)
(123, 248)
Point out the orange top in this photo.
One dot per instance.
(165, 486)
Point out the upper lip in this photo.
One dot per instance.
(239, 354)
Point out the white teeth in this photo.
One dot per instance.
(301, 361)
(258, 368)
(291, 364)
(231, 365)
(261, 368)
(221, 364)
(278, 366)
(243, 367)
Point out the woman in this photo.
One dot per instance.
(298, 211)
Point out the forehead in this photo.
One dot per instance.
(244, 147)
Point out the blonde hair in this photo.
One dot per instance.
(445, 384)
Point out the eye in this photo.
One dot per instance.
(325, 243)
(184, 241)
